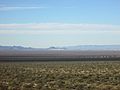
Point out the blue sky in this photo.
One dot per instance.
(44, 23)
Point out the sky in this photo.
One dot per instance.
(46, 23)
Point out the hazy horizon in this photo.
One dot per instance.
(65, 46)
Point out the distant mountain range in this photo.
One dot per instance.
(94, 47)
(79, 47)
(14, 48)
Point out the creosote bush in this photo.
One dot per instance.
(60, 76)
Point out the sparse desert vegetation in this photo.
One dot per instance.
(89, 75)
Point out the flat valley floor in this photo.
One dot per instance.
(71, 75)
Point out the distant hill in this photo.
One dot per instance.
(14, 48)
(76, 48)
(57, 48)
(94, 47)
(88, 47)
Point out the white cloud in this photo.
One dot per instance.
(32, 32)
(6, 8)
(60, 26)
(38, 32)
